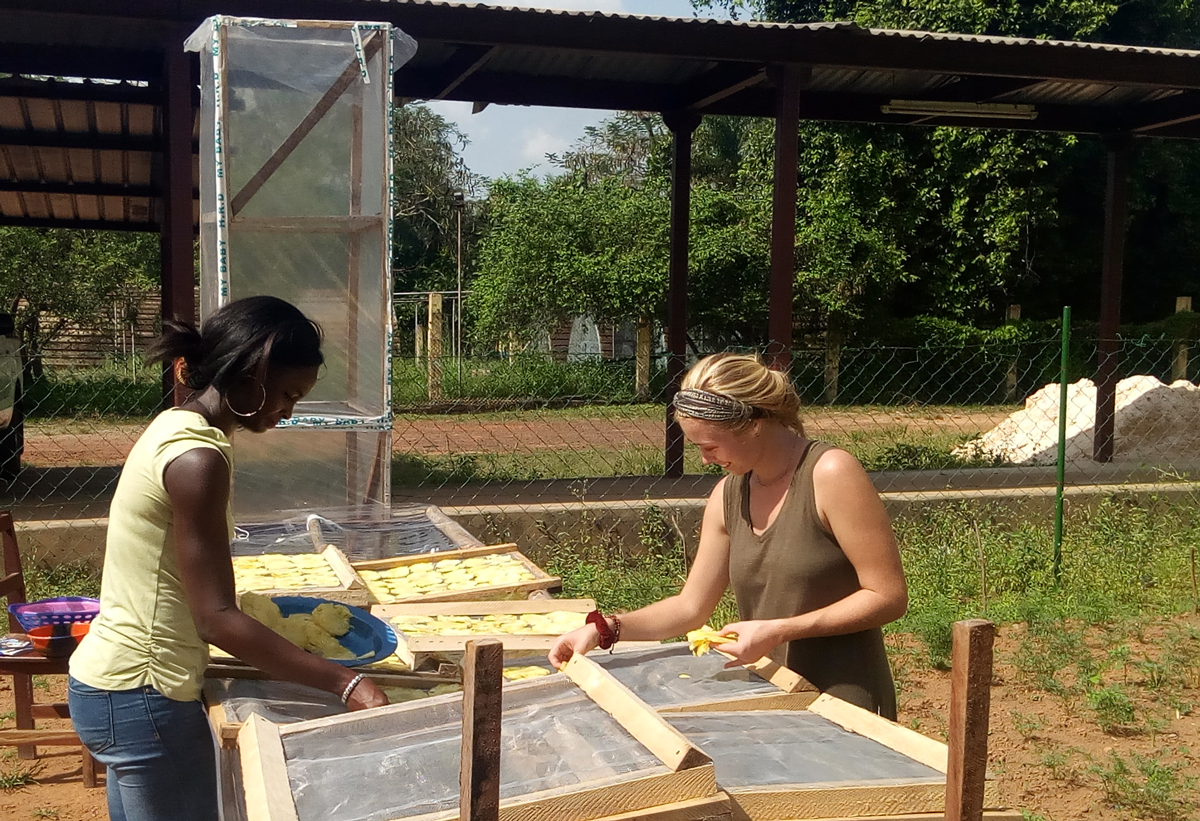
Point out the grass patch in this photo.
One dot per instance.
(113, 390)
(1147, 787)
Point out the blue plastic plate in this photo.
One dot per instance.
(368, 634)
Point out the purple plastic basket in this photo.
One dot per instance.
(62, 610)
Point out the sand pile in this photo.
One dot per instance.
(1155, 424)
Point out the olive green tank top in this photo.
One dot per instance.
(796, 566)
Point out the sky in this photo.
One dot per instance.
(507, 139)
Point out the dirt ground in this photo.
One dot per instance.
(1042, 748)
(92, 443)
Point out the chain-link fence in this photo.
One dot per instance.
(535, 433)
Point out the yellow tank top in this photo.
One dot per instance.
(144, 634)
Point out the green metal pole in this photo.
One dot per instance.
(1062, 444)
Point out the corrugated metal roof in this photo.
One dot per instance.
(614, 15)
(1114, 48)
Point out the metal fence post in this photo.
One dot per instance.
(1062, 443)
(1179, 368)
(434, 349)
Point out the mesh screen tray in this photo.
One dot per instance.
(562, 749)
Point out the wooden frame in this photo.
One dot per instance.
(353, 589)
(686, 791)
(415, 650)
(541, 581)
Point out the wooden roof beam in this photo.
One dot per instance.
(85, 92)
(88, 141)
(463, 63)
(80, 61)
(1149, 119)
(719, 83)
(79, 189)
(975, 89)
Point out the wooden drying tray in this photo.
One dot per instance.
(686, 791)
(840, 801)
(226, 729)
(353, 590)
(519, 590)
(416, 650)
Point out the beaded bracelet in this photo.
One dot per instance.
(354, 682)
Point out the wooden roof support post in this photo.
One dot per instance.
(479, 776)
(970, 703)
(682, 126)
(176, 238)
(790, 83)
(1116, 211)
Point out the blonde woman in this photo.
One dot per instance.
(798, 531)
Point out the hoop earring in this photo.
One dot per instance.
(237, 412)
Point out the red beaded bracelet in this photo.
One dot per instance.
(607, 637)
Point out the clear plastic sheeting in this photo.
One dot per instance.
(280, 702)
(405, 763)
(361, 533)
(404, 530)
(670, 676)
(310, 469)
(296, 202)
(764, 749)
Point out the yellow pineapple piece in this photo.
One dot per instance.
(702, 640)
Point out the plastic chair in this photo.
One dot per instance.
(12, 590)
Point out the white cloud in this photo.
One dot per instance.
(539, 142)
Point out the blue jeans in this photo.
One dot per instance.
(159, 753)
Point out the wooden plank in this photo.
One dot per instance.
(264, 772)
(49, 738)
(970, 704)
(716, 807)
(482, 711)
(642, 722)
(308, 225)
(451, 529)
(225, 730)
(416, 558)
(747, 703)
(811, 801)
(342, 568)
(629, 797)
(484, 608)
(907, 742)
(837, 800)
(782, 677)
(988, 815)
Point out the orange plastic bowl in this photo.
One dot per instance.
(57, 641)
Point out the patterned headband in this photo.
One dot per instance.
(711, 407)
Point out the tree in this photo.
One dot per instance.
(560, 247)
(52, 277)
(427, 173)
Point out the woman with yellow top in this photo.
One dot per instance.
(796, 529)
(167, 590)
